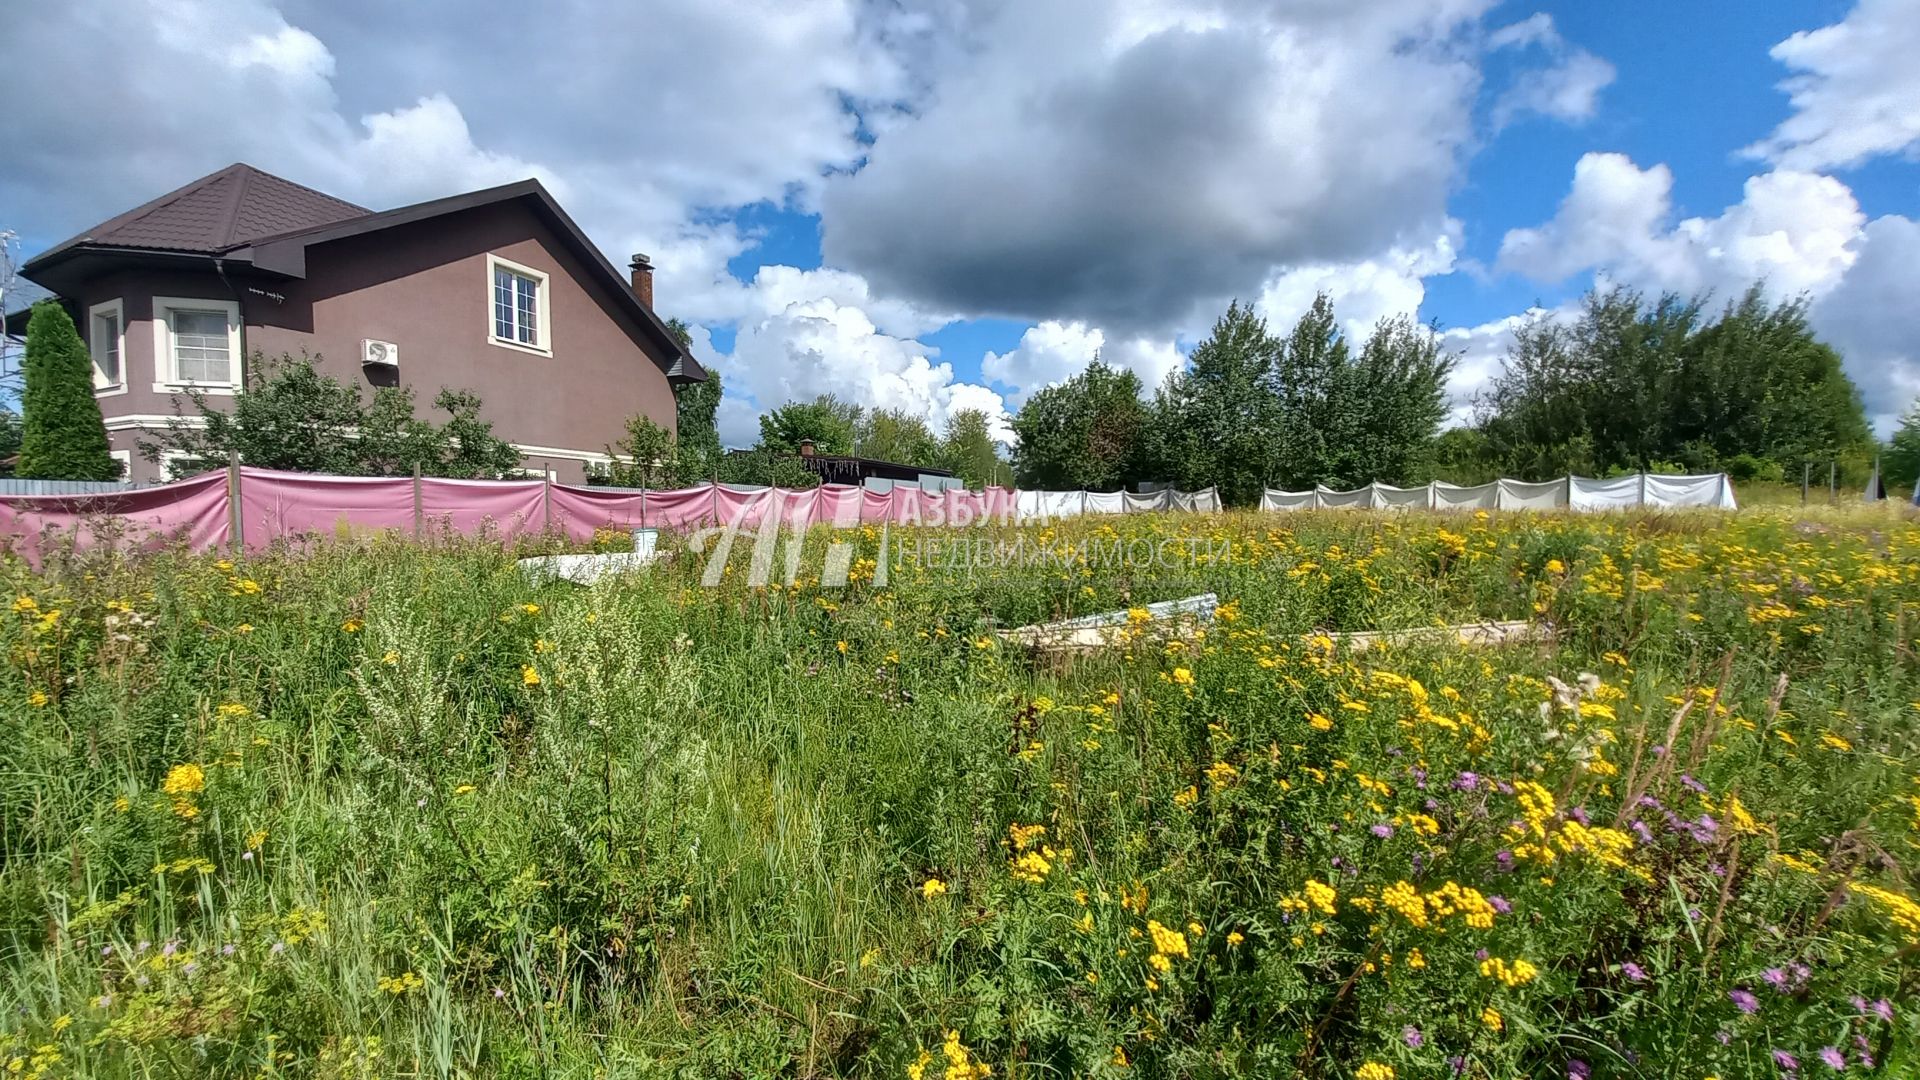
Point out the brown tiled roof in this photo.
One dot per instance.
(217, 213)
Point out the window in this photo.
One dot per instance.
(124, 459)
(196, 345)
(517, 305)
(107, 342)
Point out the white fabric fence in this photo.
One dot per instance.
(1574, 492)
(1054, 505)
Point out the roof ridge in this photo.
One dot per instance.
(230, 217)
(303, 187)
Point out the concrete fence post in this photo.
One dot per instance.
(419, 518)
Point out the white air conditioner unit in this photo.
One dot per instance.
(379, 353)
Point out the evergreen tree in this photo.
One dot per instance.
(62, 436)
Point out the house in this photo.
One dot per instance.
(494, 291)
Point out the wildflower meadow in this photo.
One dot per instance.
(380, 808)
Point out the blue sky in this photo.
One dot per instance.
(934, 205)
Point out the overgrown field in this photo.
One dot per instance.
(381, 810)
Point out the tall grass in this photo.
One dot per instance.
(383, 809)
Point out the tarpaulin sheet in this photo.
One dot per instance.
(1715, 490)
(1358, 498)
(1454, 497)
(1273, 499)
(193, 511)
(1617, 493)
(1147, 503)
(1106, 502)
(1387, 497)
(1051, 505)
(277, 505)
(1519, 495)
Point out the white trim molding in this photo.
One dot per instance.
(543, 307)
(152, 422)
(562, 453)
(125, 458)
(117, 310)
(166, 378)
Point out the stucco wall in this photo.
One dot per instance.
(426, 288)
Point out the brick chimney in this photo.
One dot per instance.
(642, 268)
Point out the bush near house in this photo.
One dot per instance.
(389, 809)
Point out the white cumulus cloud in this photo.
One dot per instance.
(1855, 92)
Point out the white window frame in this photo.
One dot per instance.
(543, 313)
(102, 387)
(125, 458)
(166, 377)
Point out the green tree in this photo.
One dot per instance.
(1460, 456)
(697, 420)
(290, 416)
(1087, 432)
(1345, 420)
(896, 435)
(761, 468)
(61, 435)
(970, 452)
(1214, 423)
(647, 457)
(1633, 383)
(826, 420)
(1900, 461)
(1394, 399)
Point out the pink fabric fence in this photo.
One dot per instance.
(275, 506)
(193, 511)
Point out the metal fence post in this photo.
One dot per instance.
(546, 500)
(419, 523)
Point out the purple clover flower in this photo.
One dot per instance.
(1500, 904)
(1412, 1037)
(1834, 1059)
(1633, 971)
(1467, 781)
(1786, 1061)
(1578, 1070)
(1382, 830)
(1745, 1000)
